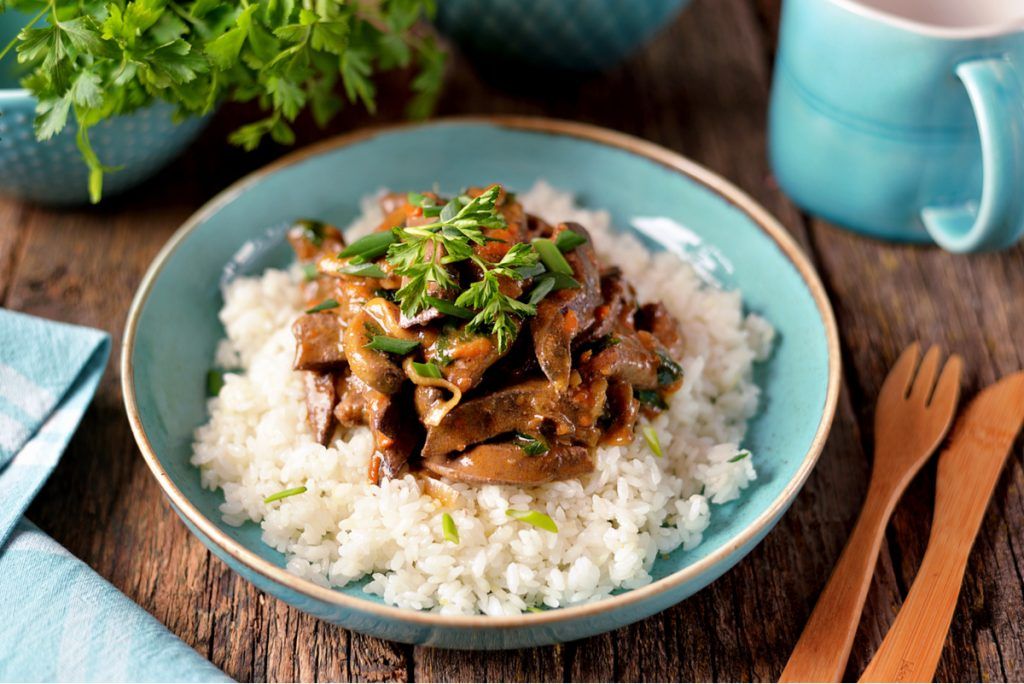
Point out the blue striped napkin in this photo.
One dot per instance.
(59, 620)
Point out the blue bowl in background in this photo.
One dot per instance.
(53, 172)
(569, 35)
(173, 329)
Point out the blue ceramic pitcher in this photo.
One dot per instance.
(904, 119)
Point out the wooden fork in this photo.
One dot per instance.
(911, 418)
(968, 471)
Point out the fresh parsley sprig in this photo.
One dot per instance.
(423, 253)
(96, 59)
(498, 312)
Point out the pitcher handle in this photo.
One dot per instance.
(997, 96)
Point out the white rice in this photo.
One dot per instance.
(612, 524)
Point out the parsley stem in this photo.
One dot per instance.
(30, 24)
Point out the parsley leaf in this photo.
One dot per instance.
(93, 60)
(423, 253)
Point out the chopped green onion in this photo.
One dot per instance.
(451, 532)
(309, 272)
(534, 518)
(447, 308)
(530, 445)
(427, 370)
(431, 211)
(535, 609)
(531, 271)
(392, 345)
(651, 398)
(363, 270)
(541, 290)
(214, 382)
(416, 199)
(569, 240)
(284, 494)
(369, 247)
(668, 370)
(552, 256)
(324, 306)
(651, 437)
(551, 282)
(564, 282)
(740, 456)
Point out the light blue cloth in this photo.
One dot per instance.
(59, 620)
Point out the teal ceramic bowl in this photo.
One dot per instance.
(52, 172)
(173, 327)
(568, 35)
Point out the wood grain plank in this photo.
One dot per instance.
(12, 236)
(524, 665)
(967, 304)
(911, 292)
(375, 660)
(732, 110)
(591, 660)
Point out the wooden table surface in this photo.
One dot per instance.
(701, 88)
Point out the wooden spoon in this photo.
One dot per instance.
(967, 475)
(910, 421)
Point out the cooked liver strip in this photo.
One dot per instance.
(480, 419)
(318, 341)
(506, 463)
(563, 315)
(376, 368)
(655, 318)
(627, 360)
(527, 407)
(572, 377)
(320, 400)
(396, 432)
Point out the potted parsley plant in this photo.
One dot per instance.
(85, 64)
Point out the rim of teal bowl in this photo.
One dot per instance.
(15, 94)
(667, 158)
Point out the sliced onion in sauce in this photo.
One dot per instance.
(388, 315)
(438, 412)
(443, 492)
